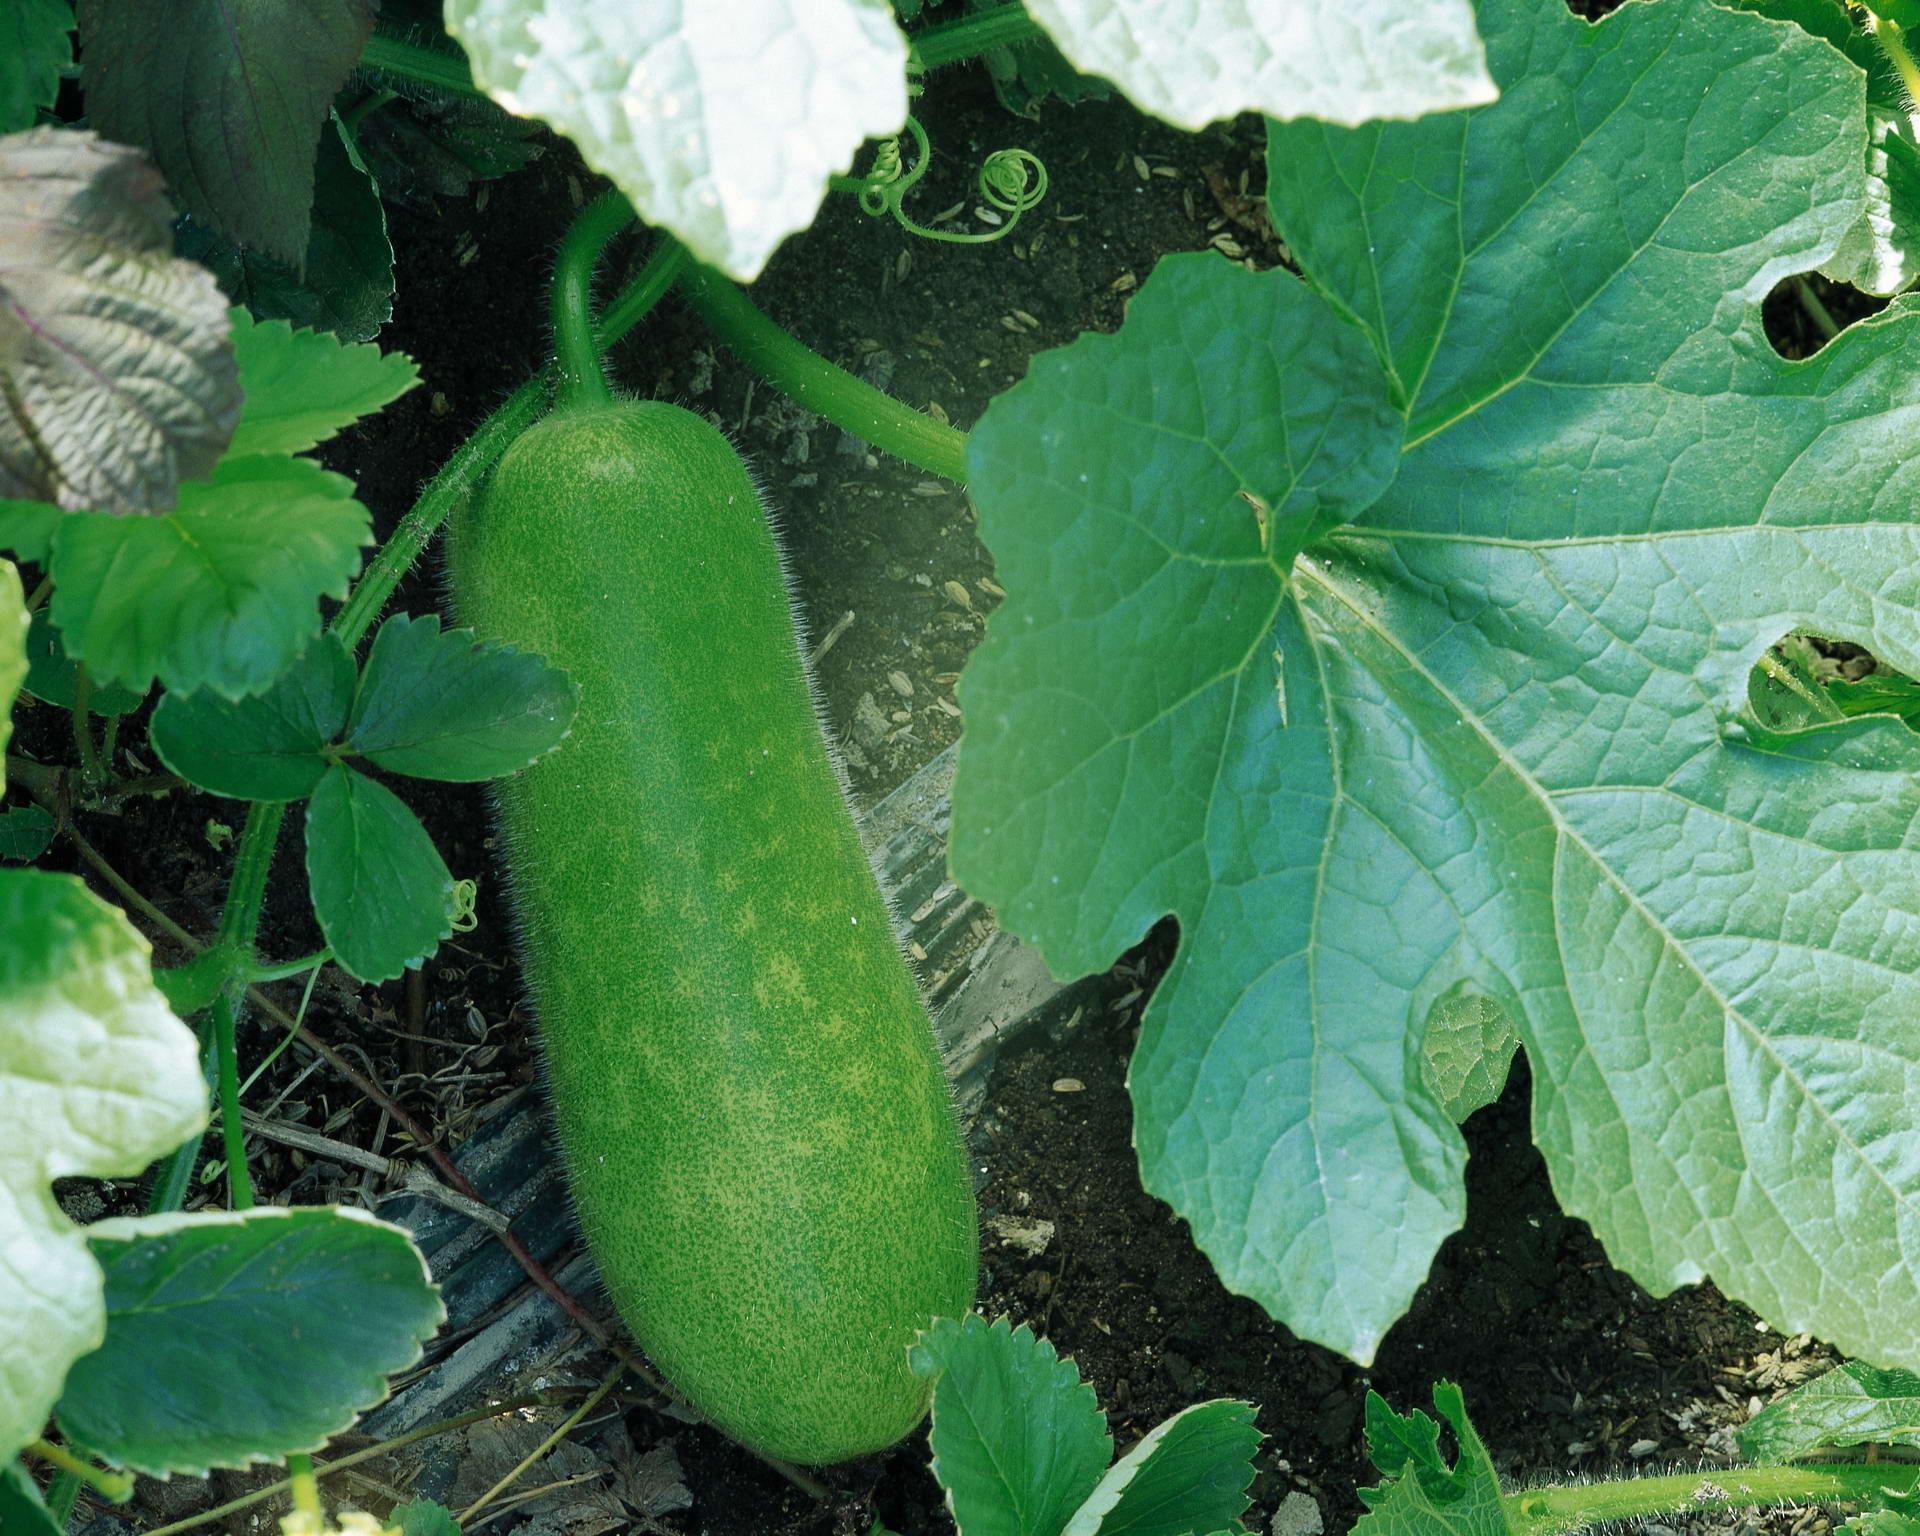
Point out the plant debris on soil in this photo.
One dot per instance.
(1569, 1368)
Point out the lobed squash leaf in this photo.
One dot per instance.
(1490, 738)
(1288, 58)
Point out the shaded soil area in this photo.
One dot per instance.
(1568, 1366)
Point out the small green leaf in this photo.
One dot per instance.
(345, 285)
(299, 388)
(1186, 1475)
(380, 890)
(265, 747)
(229, 100)
(445, 706)
(270, 1330)
(1468, 1048)
(97, 1078)
(1399, 1441)
(228, 581)
(1018, 1440)
(26, 527)
(1854, 1404)
(1424, 1496)
(34, 48)
(22, 1511)
(423, 1517)
(25, 833)
(51, 673)
(118, 376)
(1895, 1514)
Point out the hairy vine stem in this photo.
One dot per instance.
(1556, 1510)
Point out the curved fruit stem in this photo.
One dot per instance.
(580, 381)
(796, 370)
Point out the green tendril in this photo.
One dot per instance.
(466, 894)
(1011, 181)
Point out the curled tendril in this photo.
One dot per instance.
(466, 895)
(1011, 181)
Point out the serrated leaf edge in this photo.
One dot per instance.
(134, 1228)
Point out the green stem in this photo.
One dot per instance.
(117, 1486)
(280, 970)
(582, 383)
(61, 1493)
(306, 1488)
(240, 918)
(239, 926)
(828, 391)
(1818, 313)
(971, 36)
(548, 1398)
(233, 1134)
(365, 107)
(1551, 1511)
(92, 775)
(440, 69)
(471, 461)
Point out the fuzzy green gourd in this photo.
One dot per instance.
(757, 1128)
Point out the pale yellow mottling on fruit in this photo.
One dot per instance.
(764, 1152)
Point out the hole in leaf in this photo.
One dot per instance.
(1806, 311)
(1807, 680)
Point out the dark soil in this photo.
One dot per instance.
(1568, 1366)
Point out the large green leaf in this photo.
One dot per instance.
(97, 1078)
(1343, 60)
(1881, 253)
(722, 121)
(229, 100)
(241, 1336)
(1504, 759)
(221, 592)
